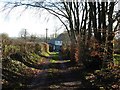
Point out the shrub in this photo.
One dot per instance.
(65, 52)
(107, 78)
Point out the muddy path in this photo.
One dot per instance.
(62, 76)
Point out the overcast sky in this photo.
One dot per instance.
(34, 21)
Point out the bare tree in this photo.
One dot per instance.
(97, 19)
(24, 34)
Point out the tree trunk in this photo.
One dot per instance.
(110, 33)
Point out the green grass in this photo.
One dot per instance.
(45, 54)
(55, 57)
(56, 61)
(53, 53)
(53, 61)
(116, 59)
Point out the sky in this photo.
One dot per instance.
(34, 21)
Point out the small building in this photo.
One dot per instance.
(62, 40)
(55, 44)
